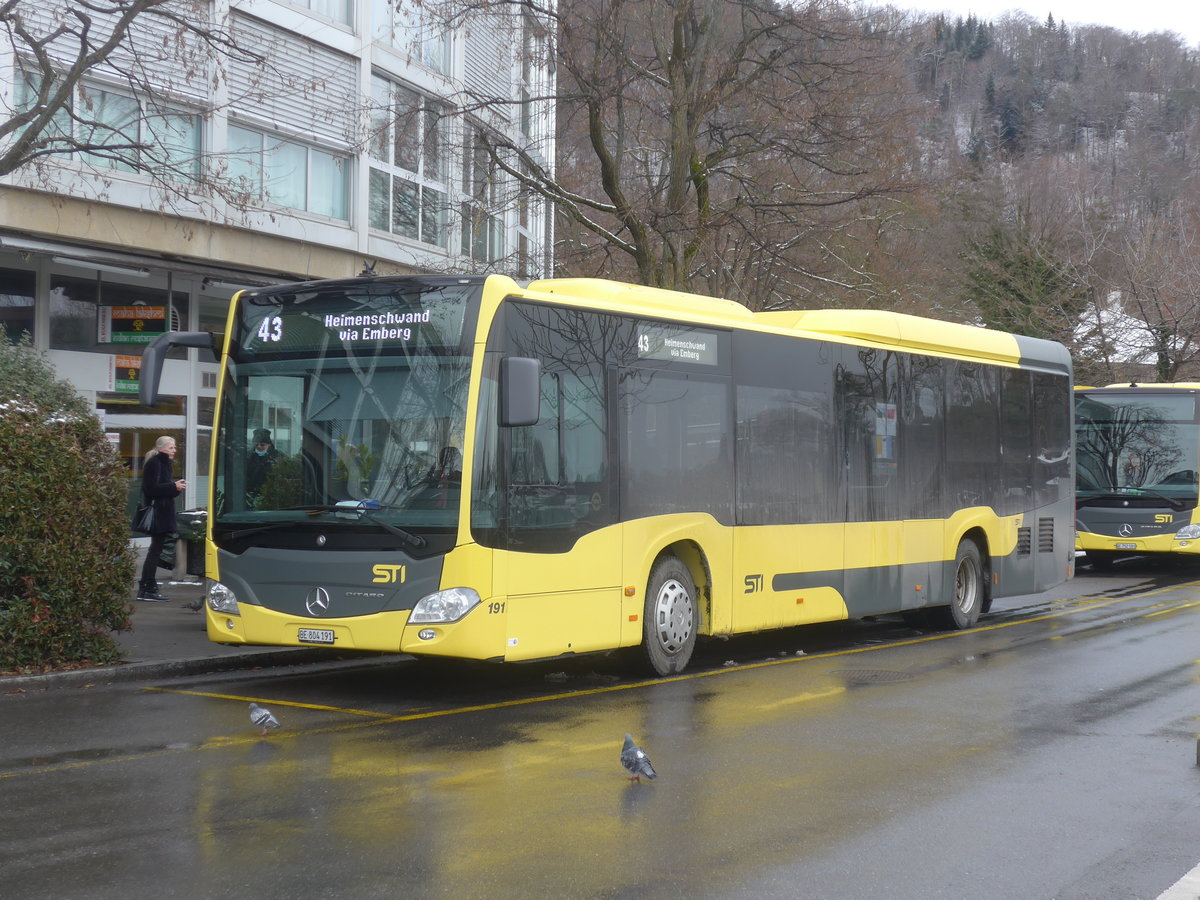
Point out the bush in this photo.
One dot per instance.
(65, 561)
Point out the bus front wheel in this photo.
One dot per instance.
(970, 589)
(671, 617)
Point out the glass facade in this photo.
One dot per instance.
(94, 328)
(95, 315)
(16, 303)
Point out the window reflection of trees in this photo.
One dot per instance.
(1127, 446)
(555, 482)
(869, 393)
(377, 415)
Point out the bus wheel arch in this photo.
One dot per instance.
(970, 584)
(672, 612)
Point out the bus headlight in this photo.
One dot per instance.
(445, 606)
(1188, 533)
(221, 599)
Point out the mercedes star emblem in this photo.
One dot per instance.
(317, 602)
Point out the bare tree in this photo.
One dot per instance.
(1159, 286)
(731, 147)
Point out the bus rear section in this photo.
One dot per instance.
(1137, 451)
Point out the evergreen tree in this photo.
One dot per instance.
(65, 561)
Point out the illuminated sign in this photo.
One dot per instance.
(127, 374)
(130, 324)
(676, 344)
(378, 315)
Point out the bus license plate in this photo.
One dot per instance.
(315, 636)
(1126, 546)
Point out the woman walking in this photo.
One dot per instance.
(159, 489)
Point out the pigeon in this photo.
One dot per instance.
(263, 718)
(634, 759)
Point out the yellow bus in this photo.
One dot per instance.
(1137, 450)
(468, 467)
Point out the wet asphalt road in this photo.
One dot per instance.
(1050, 753)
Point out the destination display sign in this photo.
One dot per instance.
(673, 344)
(334, 320)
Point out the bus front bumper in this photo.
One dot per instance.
(1157, 543)
(475, 636)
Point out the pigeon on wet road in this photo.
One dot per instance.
(263, 718)
(635, 760)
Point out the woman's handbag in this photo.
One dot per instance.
(143, 519)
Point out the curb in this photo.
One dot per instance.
(175, 668)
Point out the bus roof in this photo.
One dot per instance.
(900, 329)
(668, 302)
(870, 326)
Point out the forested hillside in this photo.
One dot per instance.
(1018, 173)
(1066, 163)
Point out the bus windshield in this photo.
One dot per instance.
(343, 410)
(1136, 447)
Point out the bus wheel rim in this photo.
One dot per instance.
(673, 616)
(966, 586)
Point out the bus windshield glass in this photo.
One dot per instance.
(343, 412)
(1136, 448)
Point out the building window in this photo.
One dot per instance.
(289, 174)
(482, 229)
(25, 95)
(527, 219)
(141, 136)
(412, 27)
(337, 10)
(408, 191)
(533, 74)
(16, 304)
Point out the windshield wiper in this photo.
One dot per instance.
(257, 529)
(361, 512)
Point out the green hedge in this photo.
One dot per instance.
(65, 562)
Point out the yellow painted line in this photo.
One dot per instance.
(1171, 609)
(387, 719)
(264, 701)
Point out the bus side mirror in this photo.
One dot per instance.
(520, 393)
(156, 351)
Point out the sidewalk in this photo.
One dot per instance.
(168, 639)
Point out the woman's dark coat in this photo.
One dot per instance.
(158, 487)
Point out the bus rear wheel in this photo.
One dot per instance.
(970, 590)
(671, 617)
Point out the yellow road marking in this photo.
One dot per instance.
(262, 700)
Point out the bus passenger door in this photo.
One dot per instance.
(561, 574)
(922, 455)
(867, 404)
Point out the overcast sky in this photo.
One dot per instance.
(1181, 16)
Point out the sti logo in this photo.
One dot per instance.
(1164, 518)
(385, 574)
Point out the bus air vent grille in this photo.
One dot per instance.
(1024, 542)
(1046, 535)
